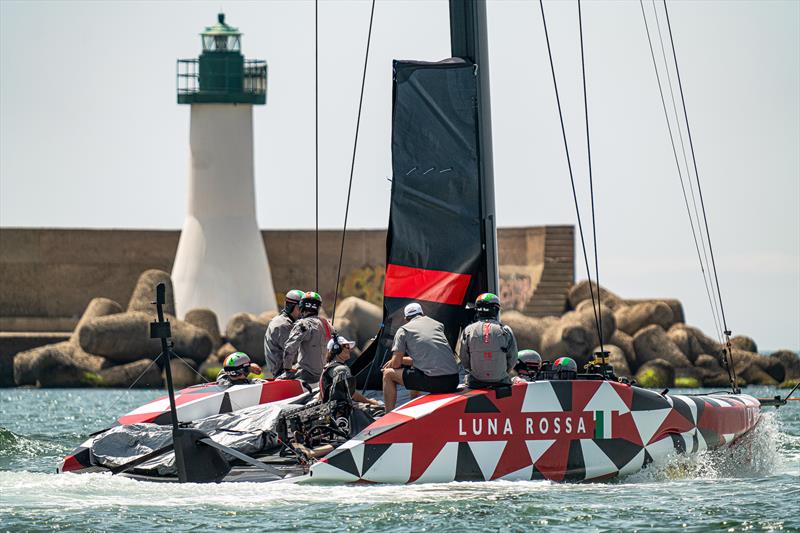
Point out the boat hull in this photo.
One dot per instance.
(554, 430)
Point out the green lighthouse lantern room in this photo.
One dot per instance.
(221, 75)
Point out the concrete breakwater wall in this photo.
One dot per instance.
(49, 276)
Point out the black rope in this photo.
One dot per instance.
(714, 307)
(316, 143)
(569, 166)
(727, 332)
(598, 314)
(353, 160)
(678, 167)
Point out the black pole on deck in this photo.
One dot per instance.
(161, 330)
(468, 40)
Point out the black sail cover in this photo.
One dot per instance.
(434, 249)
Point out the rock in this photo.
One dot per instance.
(675, 305)
(224, 351)
(575, 334)
(357, 319)
(528, 331)
(625, 343)
(125, 337)
(656, 374)
(773, 367)
(580, 292)
(689, 377)
(205, 319)
(144, 294)
(184, 373)
(125, 375)
(652, 343)
(743, 342)
(790, 361)
(632, 318)
(97, 307)
(267, 316)
(755, 375)
(617, 359)
(210, 367)
(744, 361)
(709, 363)
(56, 365)
(246, 332)
(607, 319)
(685, 340)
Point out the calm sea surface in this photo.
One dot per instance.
(755, 486)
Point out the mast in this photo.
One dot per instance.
(468, 40)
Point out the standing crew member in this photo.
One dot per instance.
(278, 331)
(421, 347)
(488, 348)
(306, 343)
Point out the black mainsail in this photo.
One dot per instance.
(441, 244)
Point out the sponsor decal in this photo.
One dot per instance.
(529, 426)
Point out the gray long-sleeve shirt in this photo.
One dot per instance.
(488, 351)
(422, 338)
(306, 346)
(275, 340)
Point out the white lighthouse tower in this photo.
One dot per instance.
(221, 262)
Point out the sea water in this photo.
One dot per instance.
(752, 486)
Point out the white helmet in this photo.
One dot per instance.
(412, 309)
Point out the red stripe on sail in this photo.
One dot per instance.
(429, 285)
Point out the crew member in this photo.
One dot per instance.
(236, 368)
(422, 360)
(278, 331)
(337, 382)
(529, 362)
(305, 346)
(565, 368)
(488, 347)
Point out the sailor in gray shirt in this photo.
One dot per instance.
(488, 348)
(422, 360)
(278, 331)
(306, 344)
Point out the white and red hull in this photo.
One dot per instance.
(555, 430)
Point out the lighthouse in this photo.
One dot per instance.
(221, 262)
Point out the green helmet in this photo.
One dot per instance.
(487, 305)
(236, 362)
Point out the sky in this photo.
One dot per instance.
(90, 129)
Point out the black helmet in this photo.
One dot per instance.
(487, 304)
(311, 302)
(565, 368)
(528, 363)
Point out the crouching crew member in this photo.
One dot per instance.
(421, 347)
(305, 346)
(278, 331)
(337, 382)
(236, 368)
(488, 348)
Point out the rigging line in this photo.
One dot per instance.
(316, 144)
(353, 160)
(678, 166)
(714, 308)
(696, 173)
(727, 331)
(569, 166)
(128, 390)
(598, 314)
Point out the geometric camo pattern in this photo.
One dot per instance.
(555, 430)
(193, 403)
